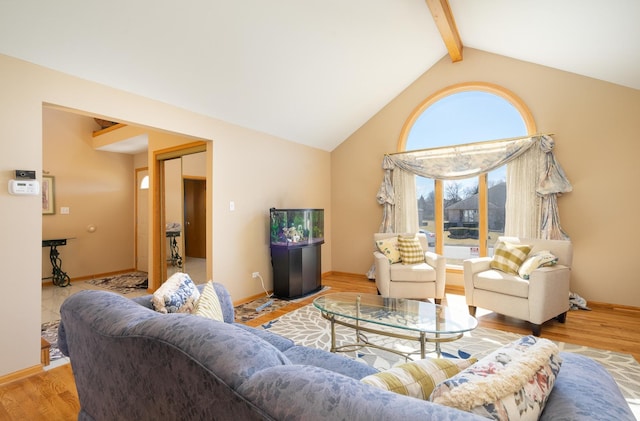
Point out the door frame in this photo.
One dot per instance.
(158, 269)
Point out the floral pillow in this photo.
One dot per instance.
(178, 294)
(513, 382)
(389, 247)
(536, 260)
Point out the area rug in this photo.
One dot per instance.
(264, 305)
(123, 283)
(306, 326)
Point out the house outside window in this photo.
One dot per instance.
(454, 212)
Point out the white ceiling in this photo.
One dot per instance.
(308, 71)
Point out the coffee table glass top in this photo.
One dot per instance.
(401, 313)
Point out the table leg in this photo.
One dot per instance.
(59, 277)
(333, 334)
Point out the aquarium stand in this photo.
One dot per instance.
(296, 270)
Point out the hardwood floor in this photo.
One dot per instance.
(51, 395)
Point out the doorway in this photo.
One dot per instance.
(191, 198)
(195, 218)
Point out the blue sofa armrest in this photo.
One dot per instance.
(584, 390)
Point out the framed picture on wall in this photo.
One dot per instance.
(48, 195)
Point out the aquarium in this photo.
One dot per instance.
(296, 227)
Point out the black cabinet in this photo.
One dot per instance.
(296, 270)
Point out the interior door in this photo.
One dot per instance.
(195, 194)
(142, 221)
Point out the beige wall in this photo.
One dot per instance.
(255, 170)
(97, 187)
(596, 128)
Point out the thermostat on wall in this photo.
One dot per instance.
(24, 187)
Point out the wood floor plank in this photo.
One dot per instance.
(52, 395)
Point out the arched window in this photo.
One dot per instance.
(463, 218)
(144, 183)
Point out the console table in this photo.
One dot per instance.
(175, 258)
(58, 276)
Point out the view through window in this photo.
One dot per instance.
(460, 118)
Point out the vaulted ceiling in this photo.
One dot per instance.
(309, 71)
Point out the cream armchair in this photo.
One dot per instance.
(418, 280)
(544, 296)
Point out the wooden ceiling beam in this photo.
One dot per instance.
(446, 24)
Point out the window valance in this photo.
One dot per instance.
(463, 161)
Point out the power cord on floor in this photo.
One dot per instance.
(269, 302)
(263, 287)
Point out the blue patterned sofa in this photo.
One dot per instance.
(133, 363)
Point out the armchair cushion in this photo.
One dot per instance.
(419, 272)
(389, 247)
(502, 283)
(508, 257)
(411, 251)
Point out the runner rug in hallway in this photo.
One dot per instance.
(123, 283)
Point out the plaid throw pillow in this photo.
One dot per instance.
(418, 378)
(508, 257)
(410, 250)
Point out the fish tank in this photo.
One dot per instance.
(296, 227)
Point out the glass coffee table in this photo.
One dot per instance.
(400, 318)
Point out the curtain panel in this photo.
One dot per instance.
(534, 180)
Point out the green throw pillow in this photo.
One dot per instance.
(410, 250)
(418, 378)
(508, 257)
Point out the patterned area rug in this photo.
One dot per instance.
(124, 283)
(306, 326)
(256, 308)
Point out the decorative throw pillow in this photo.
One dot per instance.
(208, 304)
(389, 247)
(410, 250)
(513, 382)
(418, 378)
(178, 294)
(536, 260)
(508, 257)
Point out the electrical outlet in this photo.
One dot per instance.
(255, 275)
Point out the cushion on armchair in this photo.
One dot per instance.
(508, 257)
(389, 247)
(536, 260)
(410, 250)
